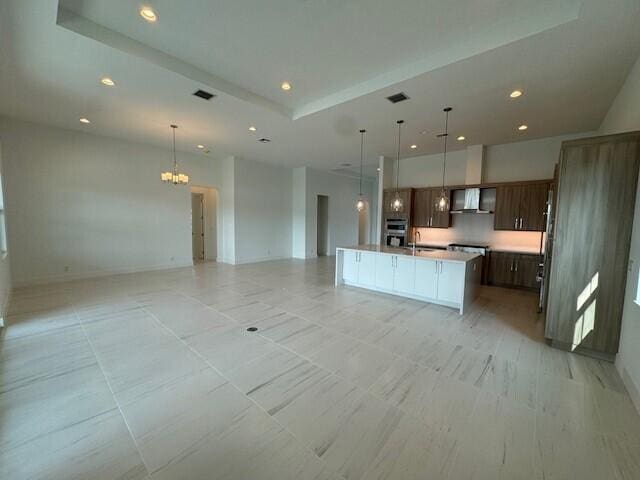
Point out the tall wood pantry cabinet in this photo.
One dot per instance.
(597, 179)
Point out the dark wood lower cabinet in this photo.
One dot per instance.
(513, 270)
(526, 270)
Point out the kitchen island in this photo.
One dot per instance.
(438, 276)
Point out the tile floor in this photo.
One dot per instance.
(154, 376)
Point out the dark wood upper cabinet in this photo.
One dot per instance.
(521, 207)
(421, 207)
(405, 195)
(507, 212)
(440, 219)
(424, 212)
(533, 207)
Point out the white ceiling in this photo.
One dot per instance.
(342, 57)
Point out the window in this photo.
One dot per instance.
(3, 228)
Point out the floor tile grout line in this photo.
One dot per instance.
(365, 391)
(115, 399)
(584, 385)
(263, 410)
(359, 340)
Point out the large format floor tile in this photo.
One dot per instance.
(155, 376)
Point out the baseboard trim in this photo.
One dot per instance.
(632, 388)
(260, 260)
(567, 347)
(97, 274)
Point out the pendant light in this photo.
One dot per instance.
(174, 177)
(442, 201)
(396, 203)
(360, 203)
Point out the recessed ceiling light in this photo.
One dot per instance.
(252, 128)
(286, 86)
(515, 94)
(522, 127)
(84, 120)
(413, 147)
(423, 132)
(107, 81)
(200, 147)
(148, 14)
(461, 138)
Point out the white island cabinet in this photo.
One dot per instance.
(446, 278)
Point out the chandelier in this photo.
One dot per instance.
(174, 177)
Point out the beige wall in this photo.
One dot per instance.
(624, 116)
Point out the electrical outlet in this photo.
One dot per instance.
(269, 252)
(172, 259)
(66, 268)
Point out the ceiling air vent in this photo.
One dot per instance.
(398, 97)
(264, 140)
(203, 94)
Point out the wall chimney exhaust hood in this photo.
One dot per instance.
(468, 200)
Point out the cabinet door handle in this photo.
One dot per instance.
(520, 223)
(517, 265)
(512, 265)
(515, 224)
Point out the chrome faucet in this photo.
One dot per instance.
(414, 242)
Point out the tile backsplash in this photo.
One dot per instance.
(479, 228)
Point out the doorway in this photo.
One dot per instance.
(197, 226)
(323, 226)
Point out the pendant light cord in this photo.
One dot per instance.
(399, 122)
(175, 163)
(361, 156)
(446, 136)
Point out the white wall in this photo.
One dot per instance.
(263, 212)
(426, 170)
(299, 212)
(5, 270)
(81, 205)
(624, 116)
(226, 211)
(509, 162)
(343, 217)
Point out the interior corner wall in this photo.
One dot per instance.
(227, 211)
(624, 116)
(343, 217)
(5, 270)
(263, 211)
(81, 205)
(298, 212)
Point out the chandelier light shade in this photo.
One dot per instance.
(442, 201)
(360, 204)
(174, 176)
(396, 203)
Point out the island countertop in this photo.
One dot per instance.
(461, 257)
